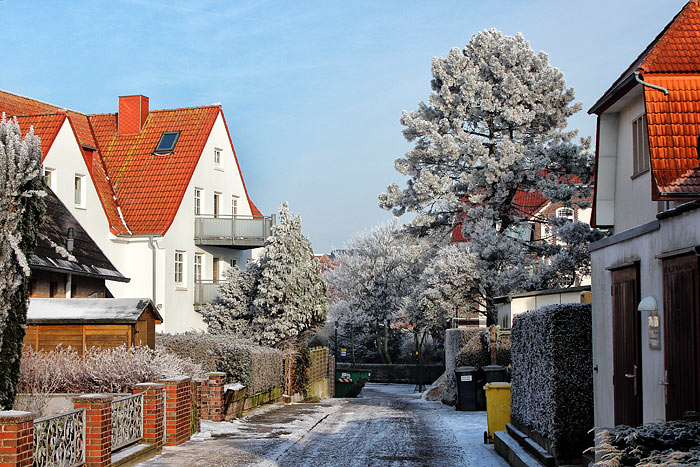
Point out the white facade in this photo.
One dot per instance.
(520, 303)
(133, 256)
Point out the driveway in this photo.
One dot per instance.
(388, 425)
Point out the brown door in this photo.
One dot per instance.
(627, 349)
(681, 335)
(141, 337)
(215, 271)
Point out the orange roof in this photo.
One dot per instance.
(139, 191)
(45, 127)
(673, 123)
(677, 49)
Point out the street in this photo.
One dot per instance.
(387, 425)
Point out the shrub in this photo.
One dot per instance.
(98, 369)
(552, 382)
(258, 368)
(650, 445)
(477, 351)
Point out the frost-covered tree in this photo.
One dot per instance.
(279, 297)
(21, 206)
(372, 279)
(494, 125)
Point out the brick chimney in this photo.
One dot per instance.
(133, 112)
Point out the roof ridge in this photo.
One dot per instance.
(57, 107)
(212, 106)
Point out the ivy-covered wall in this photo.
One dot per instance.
(552, 378)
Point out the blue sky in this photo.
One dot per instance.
(312, 91)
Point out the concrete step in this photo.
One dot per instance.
(508, 448)
(133, 454)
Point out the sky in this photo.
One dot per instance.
(312, 91)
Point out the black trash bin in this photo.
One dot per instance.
(496, 374)
(466, 379)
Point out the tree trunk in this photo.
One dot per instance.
(386, 343)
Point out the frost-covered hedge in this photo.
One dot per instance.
(552, 382)
(477, 351)
(258, 368)
(650, 445)
(99, 370)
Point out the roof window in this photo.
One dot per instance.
(167, 142)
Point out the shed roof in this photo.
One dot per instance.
(88, 310)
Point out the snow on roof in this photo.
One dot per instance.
(88, 310)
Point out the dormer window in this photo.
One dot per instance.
(167, 142)
(640, 145)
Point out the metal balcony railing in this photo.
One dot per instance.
(241, 232)
(205, 291)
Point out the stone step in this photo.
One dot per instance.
(508, 448)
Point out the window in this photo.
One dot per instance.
(179, 268)
(233, 263)
(167, 142)
(216, 204)
(217, 157)
(198, 267)
(234, 205)
(79, 191)
(197, 201)
(50, 178)
(640, 145)
(565, 212)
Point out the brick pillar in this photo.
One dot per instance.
(204, 397)
(98, 428)
(216, 396)
(177, 410)
(16, 438)
(202, 385)
(152, 412)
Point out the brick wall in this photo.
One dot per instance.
(98, 428)
(16, 438)
(178, 395)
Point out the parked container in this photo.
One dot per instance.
(349, 382)
(497, 408)
(466, 378)
(496, 374)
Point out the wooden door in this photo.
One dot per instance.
(681, 335)
(627, 349)
(141, 335)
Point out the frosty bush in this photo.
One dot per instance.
(98, 369)
(258, 368)
(552, 382)
(675, 443)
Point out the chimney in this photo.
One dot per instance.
(70, 239)
(133, 112)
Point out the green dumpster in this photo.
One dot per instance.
(350, 381)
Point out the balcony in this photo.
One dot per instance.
(205, 291)
(239, 232)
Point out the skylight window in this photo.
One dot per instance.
(167, 142)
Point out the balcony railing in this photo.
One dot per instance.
(241, 232)
(205, 291)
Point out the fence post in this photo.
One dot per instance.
(153, 429)
(215, 401)
(177, 410)
(16, 438)
(98, 428)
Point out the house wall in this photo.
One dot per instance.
(178, 301)
(631, 191)
(673, 234)
(82, 287)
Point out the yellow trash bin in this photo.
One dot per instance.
(497, 408)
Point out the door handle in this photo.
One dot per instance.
(627, 375)
(664, 383)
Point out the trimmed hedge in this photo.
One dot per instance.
(650, 445)
(260, 369)
(552, 379)
(477, 352)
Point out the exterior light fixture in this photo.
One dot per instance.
(648, 304)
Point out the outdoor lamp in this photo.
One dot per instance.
(648, 304)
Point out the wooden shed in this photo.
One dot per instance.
(91, 322)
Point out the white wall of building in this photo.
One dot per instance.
(674, 233)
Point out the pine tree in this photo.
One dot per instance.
(494, 125)
(21, 207)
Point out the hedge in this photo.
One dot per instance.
(552, 381)
(477, 352)
(650, 445)
(260, 369)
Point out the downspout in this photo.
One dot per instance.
(152, 246)
(653, 86)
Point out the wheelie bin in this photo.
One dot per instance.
(497, 408)
(466, 379)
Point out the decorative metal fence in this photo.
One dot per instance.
(127, 420)
(59, 440)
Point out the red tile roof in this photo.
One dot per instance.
(139, 191)
(674, 128)
(677, 50)
(45, 127)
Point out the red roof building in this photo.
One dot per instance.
(646, 275)
(160, 191)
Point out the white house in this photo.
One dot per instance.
(645, 284)
(160, 192)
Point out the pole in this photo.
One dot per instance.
(336, 341)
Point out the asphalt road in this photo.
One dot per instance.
(387, 426)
